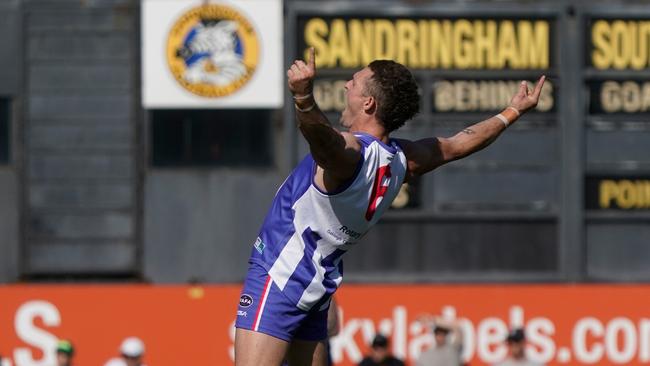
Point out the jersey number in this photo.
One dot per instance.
(378, 190)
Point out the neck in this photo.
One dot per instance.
(375, 129)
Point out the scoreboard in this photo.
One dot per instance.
(616, 81)
(534, 204)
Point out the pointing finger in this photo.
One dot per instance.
(538, 87)
(312, 58)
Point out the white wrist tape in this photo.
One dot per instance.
(302, 97)
(304, 110)
(503, 119)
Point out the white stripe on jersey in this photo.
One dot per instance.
(288, 261)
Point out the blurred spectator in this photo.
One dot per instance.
(64, 353)
(131, 353)
(517, 350)
(379, 354)
(448, 344)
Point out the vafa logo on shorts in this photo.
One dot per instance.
(245, 300)
(212, 50)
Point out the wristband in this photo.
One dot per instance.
(514, 110)
(304, 110)
(503, 119)
(508, 115)
(302, 97)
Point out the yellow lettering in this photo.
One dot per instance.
(601, 55)
(407, 53)
(533, 44)
(423, 29)
(645, 103)
(445, 43)
(484, 95)
(627, 195)
(608, 191)
(330, 95)
(639, 40)
(610, 97)
(463, 54)
(384, 39)
(442, 44)
(361, 40)
(641, 198)
(485, 36)
(315, 30)
(621, 44)
(631, 96)
(507, 46)
(339, 46)
(444, 96)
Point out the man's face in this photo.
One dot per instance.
(517, 349)
(355, 96)
(379, 353)
(133, 361)
(63, 359)
(440, 336)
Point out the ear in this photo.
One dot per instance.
(370, 105)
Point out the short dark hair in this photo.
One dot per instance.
(516, 335)
(396, 92)
(380, 341)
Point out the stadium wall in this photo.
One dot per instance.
(10, 93)
(85, 198)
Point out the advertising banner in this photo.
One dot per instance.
(182, 325)
(212, 54)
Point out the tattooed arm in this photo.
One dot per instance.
(427, 154)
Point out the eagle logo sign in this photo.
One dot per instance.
(212, 50)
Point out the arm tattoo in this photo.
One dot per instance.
(468, 131)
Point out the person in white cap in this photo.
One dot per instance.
(131, 353)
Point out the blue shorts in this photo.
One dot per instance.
(264, 308)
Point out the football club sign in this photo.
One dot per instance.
(212, 54)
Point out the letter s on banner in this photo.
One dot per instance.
(32, 335)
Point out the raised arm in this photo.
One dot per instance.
(427, 154)
(337, 153)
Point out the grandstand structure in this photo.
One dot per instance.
(94, 186)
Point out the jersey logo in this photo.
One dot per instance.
(379, 189)
(212, 50)
(245, 300)
(259, 245)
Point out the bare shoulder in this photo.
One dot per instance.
(422, 156)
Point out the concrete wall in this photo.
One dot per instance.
(81, 155)
(201, 225)
(9, 260)
(10, 87)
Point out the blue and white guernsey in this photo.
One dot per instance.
(307, 231)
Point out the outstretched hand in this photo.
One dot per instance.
(300, 75)
(525, 100)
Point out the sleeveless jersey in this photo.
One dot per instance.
(306, 231)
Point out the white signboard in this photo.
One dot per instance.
(212, 54)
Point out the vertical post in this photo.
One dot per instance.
(571, 226)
